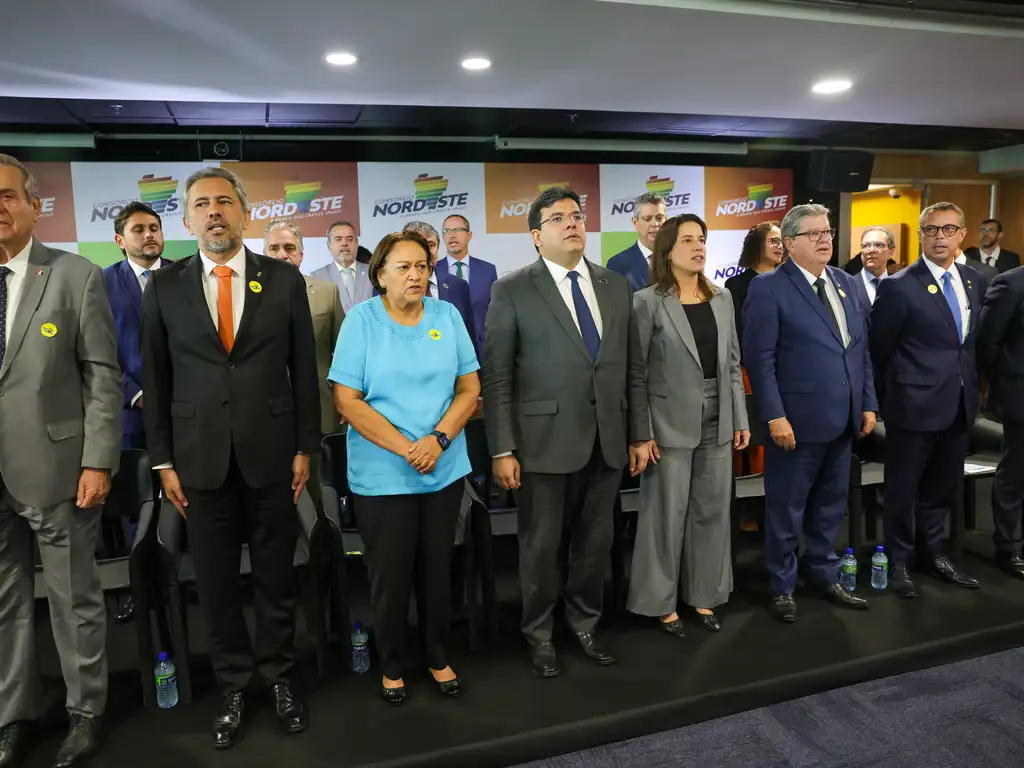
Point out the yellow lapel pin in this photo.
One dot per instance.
(933, 289)
(842, 294)
(49, 330)
(255, 287)
(434, 334)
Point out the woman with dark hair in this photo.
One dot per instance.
(698, 416)
(405, 377)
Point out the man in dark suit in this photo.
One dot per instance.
(449, 288)
(923, 333)
(478, 273)
(877, 246)
(232, 416)
(565, 408)
(805, 312)
(1001, 355)
(634, 263)
(138, 232)
(990, 253)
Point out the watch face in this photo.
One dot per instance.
(443, 440)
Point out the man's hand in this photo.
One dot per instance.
(741, 439)
(782, 433)
(138, 403)
(423, 454)
(172, 490)
(867, 423)
(506, 472)
(93, 487)
(639, 456)
(300, 475)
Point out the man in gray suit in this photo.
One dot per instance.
(60, 411)
(565, 407)
(352, 277)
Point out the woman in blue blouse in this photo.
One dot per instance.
(406, 383)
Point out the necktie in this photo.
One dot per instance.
(225, 313)
(4, 272)
(588, 328)
(954, 305)
(145, 277)
(348, 280)
(819, 288)
(458, 270)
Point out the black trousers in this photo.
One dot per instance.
(565, 540)
(219, 522)
(1008, 490)
(409, 540)
(923, 471)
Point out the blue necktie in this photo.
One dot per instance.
(588, 328)
(4, 272)
(954, 305)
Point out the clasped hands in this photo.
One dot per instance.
(423, 454)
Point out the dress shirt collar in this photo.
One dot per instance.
(558, 272)
(452, 261)
(19, 264)
(867, 276)
(811, 278)
(138, 269)
(341, 267)
(938, 272)
(236, 262)
(647, 252)
(961, 258)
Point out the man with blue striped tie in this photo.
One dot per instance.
(923, 333)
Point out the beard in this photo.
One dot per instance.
(227, 244)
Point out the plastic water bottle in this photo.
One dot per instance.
(166, 683)
(360, 649)
(848, 571)
(879, 569)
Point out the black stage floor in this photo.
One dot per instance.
(507, 716)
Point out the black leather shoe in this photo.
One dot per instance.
(595, 651)
(290, 711)
(1011, 564)
(393, 696)
(674, 627)
(451, 689)
(127, 612)
(15, 743)
(941, 568)
(80, 744)
(835, 593)
(709, 621)
(543, 659)
(784, 608)
(900, 583)
(227, 727)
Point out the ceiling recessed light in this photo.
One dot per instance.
(341, 59)
(476, 63)
(837, 85)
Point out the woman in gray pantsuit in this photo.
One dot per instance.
(698, 415)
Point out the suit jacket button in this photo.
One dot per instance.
(231, 366)
(226, 404)
(593, 402)
(844, 383)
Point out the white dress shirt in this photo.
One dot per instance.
(138, 269)
(647, 252)
(958, 289)
(432, 281)
(211, 286)
(452, 261)
(871, 283)
(18, 266)
(990, 258)
(561, 277)
(833, 299)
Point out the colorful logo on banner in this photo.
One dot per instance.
(759, 199)
(301, 200)
(512, 188)
(663, 186)
(158, 193)
(306, 194)
(739, 198)
(430, 194)
(301, 194)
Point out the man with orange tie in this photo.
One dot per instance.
(232, 416)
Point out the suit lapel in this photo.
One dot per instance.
(441, 270)
(723, 316)
(847, 302)
(924, 275)
(253, 299)
(804, 289)
(972, 302)
(36, 275)
(548, 291)
(193, 279)
(681, 323)
(130, 283)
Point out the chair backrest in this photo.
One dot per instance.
(131, 486)
(334, 451)
(476, 446)
(986, 436)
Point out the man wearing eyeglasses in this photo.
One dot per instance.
(805, 349)
(923, 335)
(634, 263)
(990, 252)
(877, 246)
(478, 273)
(565, 408)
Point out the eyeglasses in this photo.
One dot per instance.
(815, 235)
(948, 230)
(875, 246)
(560, 218)
(989, 230)
(774, 241)
(453, 229)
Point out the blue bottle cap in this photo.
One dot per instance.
(162, 656)
(357, 626)
(879, 549)
(849, 550)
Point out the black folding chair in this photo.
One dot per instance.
(328, 538)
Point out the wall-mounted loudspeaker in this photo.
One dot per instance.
(834, 170)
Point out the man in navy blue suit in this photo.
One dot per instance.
(877, 246)
(923, 332)
(480, 274)
(634, 263)
(450, 289)
(805, 347)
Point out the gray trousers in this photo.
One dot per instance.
(683, 530)
(67, 545)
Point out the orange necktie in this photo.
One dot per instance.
(225, 316)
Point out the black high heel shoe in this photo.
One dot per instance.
(450, 689)
(393, 696)
(709, 621)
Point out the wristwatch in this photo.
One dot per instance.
(443, 440)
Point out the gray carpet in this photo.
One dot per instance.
(955, 716)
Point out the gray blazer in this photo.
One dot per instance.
(545, 398)
(363, 287)
(60, 383)
(675, 379)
